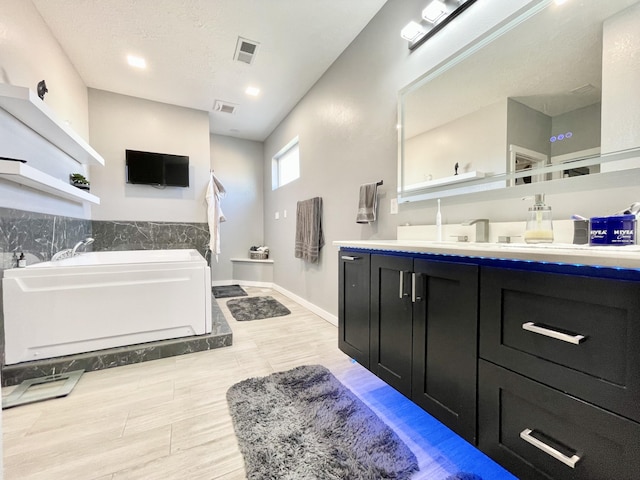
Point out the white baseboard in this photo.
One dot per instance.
(332, 319)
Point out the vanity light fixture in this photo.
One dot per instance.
(412, 31)
(434, 11)
(435, 16)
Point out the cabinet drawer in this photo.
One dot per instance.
(578, 334)
(515, 413)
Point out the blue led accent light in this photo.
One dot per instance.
(596, 271)
(553, 139)
(568, 135)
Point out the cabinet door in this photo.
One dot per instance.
(391, 320)
(353, 306)
(445, 328)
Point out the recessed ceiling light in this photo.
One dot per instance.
(253, 91)
(137, 62)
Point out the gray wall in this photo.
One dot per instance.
(347, 128)
(120, 122)
(238, 165)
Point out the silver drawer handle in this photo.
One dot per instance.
(350, 258)
(574, 339)
(569, 461)
(401, 294)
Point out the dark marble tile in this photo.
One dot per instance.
(113, 235)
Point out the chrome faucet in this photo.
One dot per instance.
(482, 229)
(81, 243)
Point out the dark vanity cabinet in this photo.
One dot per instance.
(353, 301)
(559, 374)
(547, 354)
(424, 335)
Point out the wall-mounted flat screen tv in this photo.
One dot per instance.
(147, 168)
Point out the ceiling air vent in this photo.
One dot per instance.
(246, 50)
(224, 107)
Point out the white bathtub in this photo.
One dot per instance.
(100, 300)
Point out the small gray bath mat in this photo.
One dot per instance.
(226, 291)
(256, 308)
(304, 423)
(42, 388)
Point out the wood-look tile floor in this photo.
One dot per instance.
(168, 419)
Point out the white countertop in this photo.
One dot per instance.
(610, 256)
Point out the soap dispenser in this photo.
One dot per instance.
(539, 227)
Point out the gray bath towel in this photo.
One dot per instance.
(309, 236)
(368, 203)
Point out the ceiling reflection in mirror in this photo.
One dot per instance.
(525, 104)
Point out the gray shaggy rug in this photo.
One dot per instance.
(304, 424)
(256, 308)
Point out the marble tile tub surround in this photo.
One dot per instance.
(220, 336)
(130, 235)
(38, 235)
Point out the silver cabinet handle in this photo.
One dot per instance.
(401, 294)
(349, 258)
(414, 298)
(569, 461)
(574, 339)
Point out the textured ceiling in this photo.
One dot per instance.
(189, 47)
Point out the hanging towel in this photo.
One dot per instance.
(309, 236)
(368, 203)
(214, 196)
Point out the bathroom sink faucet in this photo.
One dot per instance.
(482, 229)
(81, 243)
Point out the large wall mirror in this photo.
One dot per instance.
(551, 95)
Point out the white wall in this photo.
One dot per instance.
(238, 165)
(347, 128)
(476, 141)
(620, 81)
(119, 122)
(29, 53)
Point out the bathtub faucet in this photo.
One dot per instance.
(81, 243)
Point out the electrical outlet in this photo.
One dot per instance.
(284, 213)
(393, 210)
(277, 216)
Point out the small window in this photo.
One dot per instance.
(286, 164)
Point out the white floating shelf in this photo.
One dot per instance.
(27, 107)
(23, 174)
(463, 177)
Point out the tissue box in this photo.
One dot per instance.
(616, 230)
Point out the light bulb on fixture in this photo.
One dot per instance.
(434, 11)
(412, 31)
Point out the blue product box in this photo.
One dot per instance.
(615, 230)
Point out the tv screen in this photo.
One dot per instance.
(147, 168)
